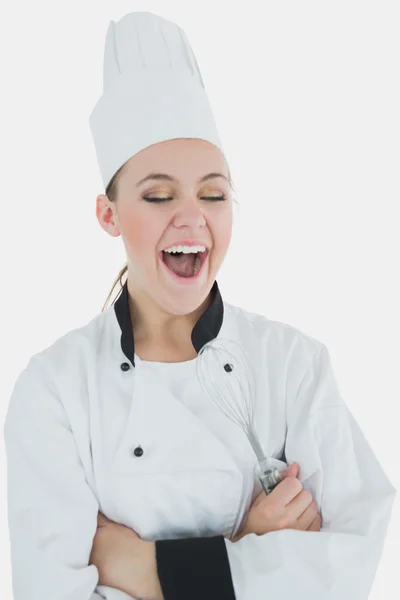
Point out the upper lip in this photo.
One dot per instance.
(188, 243)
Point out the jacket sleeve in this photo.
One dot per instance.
(52, 511)
(353, 495)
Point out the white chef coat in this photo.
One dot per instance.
(82, 406)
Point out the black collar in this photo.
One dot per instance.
(206, 328)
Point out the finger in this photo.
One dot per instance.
(307, 518)
(298, 505)
(316, 524)
(286, 491)
(101, 519)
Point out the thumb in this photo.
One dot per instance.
(291, 471)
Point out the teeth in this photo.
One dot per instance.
(185, 249)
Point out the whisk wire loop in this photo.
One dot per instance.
(235, 394)
(227, 376)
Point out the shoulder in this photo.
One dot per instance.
(76, 347)
(287, 357)
(277, 336)
(56, 378)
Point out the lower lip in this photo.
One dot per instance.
(185, 280)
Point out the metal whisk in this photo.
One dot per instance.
(231, 386)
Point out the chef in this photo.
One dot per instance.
(110, 421)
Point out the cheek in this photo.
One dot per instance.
(222, 230)
(141, 233)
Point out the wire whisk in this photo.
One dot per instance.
(226, 374)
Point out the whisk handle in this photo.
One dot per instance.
(269, 480)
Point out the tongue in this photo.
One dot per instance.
(181, 264)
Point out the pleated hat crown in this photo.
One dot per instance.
(152, 91)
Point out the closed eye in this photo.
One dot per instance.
(169, 198)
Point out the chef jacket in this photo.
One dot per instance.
(90, 426)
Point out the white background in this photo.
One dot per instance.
(306, 98)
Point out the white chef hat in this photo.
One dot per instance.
(152, 91)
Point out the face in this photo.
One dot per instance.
(188, 209)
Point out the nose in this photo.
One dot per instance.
(189, 213)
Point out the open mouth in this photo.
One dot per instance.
(184, 266)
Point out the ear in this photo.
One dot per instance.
(107, 216)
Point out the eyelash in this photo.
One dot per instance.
(157, 200)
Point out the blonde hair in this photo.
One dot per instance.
(112, 194)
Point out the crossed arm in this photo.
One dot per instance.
(125, 561)
(52, 512)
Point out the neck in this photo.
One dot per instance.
(154, 327)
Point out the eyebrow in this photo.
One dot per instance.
(164, 176)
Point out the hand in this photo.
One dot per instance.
(124, 561)
(288, 506)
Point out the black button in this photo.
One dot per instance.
(228, 368)
(125, 366)
(138, 451)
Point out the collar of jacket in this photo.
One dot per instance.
(205, 329)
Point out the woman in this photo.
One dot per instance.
(124, 480)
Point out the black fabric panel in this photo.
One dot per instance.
(194, 569)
